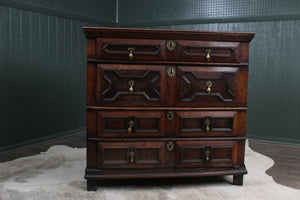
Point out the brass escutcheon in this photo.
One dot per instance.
(170, 115)
(171, 71)
(170, 146)
(171, 45)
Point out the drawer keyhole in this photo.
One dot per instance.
(170, 146)
(170, 115)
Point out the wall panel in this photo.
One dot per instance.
(42, 76)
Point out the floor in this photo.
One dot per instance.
(286, 170)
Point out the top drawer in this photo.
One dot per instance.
(172, 50)
(130, 49)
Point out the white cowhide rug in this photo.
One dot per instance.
(58, 174)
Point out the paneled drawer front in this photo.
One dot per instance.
(206, 153)
(211, 86)
(130, 155)
(130, 124)
(130, 85)
(209, 123)
(212, 51)
(130, 49)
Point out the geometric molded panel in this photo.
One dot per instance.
(115, 83)
(193, 84)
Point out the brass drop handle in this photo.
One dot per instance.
(207, 57)
(207, 124)
(131, 156)
(131, 83)
(207, 155)
(209, 85)
(131, 50)
(131, 124)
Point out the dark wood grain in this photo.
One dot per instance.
(117, 49)
(156, 113)
(138, 33)
(285, 170)
(115, 124)
(113, 85)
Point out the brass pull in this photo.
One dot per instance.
(207, 155)
(209, 85)
(170, 146)
(131, 156)
(207, 57)
(131, 83)
(131, 124)
(207, 124)
(131, 50)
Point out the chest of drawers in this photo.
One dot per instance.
(165, 103)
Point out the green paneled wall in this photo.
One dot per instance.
(167, 12)
(42, 76)
(274, 83)
(93, 11)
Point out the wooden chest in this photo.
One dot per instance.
(165, 103)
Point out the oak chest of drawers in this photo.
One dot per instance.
(165, 103)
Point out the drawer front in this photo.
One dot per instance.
(130, 155)
(130, 49)
(212, 51)
(211, 86)
(210, 123)
(130, 85)
(206, 153)
(130, 124)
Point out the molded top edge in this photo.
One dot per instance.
(92, 32)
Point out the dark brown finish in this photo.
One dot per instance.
(118, 124)
(119, 49)
(285, 171)
(238, 179)
(165, 103)
(167, 34)
(113, 85)
(210, 123)
(219, 52)
(228, 86)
